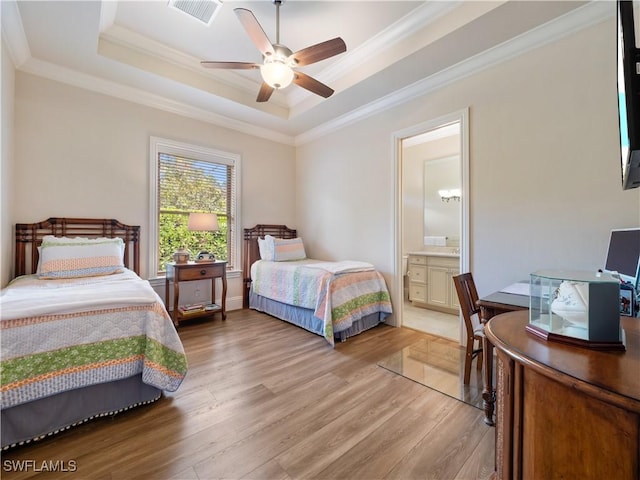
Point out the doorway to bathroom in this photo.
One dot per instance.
(432, 223)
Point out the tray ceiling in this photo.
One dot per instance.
(150, 53)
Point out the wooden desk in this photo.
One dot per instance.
(490, 306)
(565, 411)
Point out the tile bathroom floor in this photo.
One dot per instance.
(431, 321)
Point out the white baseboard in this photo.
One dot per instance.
(234, 303)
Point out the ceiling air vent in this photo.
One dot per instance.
(202, 10)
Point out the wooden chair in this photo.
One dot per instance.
(468, 297)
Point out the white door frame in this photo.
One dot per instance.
(461, 116)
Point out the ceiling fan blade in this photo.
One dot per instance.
(319, 51)
(255, 31)
(311, 84)
(265, 92)
(230, 65)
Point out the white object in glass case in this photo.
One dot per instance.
(576, 307)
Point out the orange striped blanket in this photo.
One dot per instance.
(59, 335)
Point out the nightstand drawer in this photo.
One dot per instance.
(198, 271)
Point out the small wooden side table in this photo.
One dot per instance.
(190, 271)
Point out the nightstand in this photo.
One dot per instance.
(190, 271)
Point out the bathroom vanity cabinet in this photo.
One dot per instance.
(431, 281)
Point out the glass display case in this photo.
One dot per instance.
(576, 307)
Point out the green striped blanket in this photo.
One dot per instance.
(339, 293)
(59, 335)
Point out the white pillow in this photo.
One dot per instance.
(266, 248)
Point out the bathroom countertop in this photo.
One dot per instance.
(436, 254)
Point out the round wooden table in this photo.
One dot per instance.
(564, 411)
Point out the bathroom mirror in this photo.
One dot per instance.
(442, 198)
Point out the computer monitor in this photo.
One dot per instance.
(623, 254)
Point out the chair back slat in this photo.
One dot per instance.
(468, 298)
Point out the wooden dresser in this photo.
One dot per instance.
(565, 411)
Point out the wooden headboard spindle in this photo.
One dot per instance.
(29, 237)
(251, 252)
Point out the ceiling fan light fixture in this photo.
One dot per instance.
(276, 74)
(278, 69)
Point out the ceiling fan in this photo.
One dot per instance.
(278, 69)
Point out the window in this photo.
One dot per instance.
(187, 179)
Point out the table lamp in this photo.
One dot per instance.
(203, 222)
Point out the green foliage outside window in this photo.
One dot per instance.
(175, 234)
(186, 186)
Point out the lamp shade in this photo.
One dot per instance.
(203, 222)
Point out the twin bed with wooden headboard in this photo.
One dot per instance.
(83, 335)
(333, 299)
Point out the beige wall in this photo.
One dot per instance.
(6, 183)
(544, 168)
(83, 154)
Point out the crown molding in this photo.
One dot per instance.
(135, 95)
(13, 33)
(108, 12)
(591, 14)
(418, 19)
(415, 21)
(133, 41)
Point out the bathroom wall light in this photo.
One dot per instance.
(448, 195)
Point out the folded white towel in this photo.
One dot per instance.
(435, 241)
(344, 266)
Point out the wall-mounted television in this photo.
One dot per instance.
(629, 91)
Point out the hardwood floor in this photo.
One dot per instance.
(266, 400)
